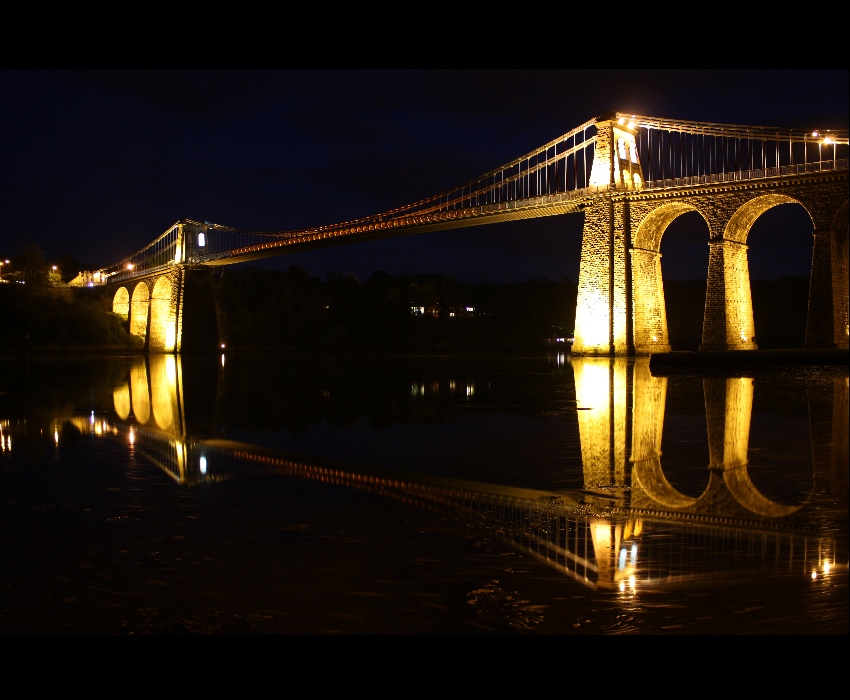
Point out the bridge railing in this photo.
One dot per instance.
(678, 149)
(747, 175)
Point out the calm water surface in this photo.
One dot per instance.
(545, 495)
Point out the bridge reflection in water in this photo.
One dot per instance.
(627, 531)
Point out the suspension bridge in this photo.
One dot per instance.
(630, 176)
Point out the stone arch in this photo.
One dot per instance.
(163, 317)
(740, 223)
(121, 303)
(728, 322)
(649, 308)
(740, 321)
(139, 310)
(652, 489)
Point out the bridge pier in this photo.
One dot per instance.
(728, 321)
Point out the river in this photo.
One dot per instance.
(412, 495)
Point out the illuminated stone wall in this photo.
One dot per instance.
(600, 327)
(171, 312)
(163, 329)
(140, 311)
(603, 318)
(121, 303)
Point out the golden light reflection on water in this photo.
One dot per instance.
(625, 532)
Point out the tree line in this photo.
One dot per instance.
(288, 310)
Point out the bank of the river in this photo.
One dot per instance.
(60, 350)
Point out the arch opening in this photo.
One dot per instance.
(139, 307)
(669, 269)
(163, 317)
(780, 256)
(121, 303)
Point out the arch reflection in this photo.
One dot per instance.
(629, 528)
(621, 418)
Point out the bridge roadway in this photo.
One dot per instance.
(574, 202)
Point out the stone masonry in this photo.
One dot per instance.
(620, 307)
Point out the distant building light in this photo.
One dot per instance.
(470, 308)
(202, 240)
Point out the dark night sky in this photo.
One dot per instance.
(96, 163)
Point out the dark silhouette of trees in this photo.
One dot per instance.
(430, 313)
(37, 311)
(291, 311)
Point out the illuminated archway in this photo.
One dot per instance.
(163, 317)
(139, 307)
(121, 303)
(650, 311)
(731, 310)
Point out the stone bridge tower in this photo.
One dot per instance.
(621, 307)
